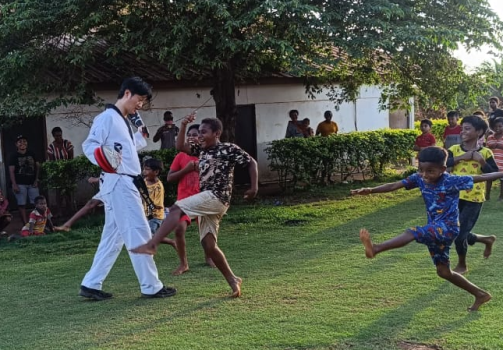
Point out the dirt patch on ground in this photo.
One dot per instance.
(405, 345)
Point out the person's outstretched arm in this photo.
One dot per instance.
(389, 187)
(253, 171)
(487, 177)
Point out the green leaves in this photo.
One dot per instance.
(49, 47)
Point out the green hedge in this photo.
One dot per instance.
(312, 160)
(66, 174)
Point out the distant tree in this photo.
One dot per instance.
(47, 48)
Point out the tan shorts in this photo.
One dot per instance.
(207, 208)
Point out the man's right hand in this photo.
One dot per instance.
(15, 188)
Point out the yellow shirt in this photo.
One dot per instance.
(156, 193)
(325, 129)
(471, 167)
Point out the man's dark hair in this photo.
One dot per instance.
(154, 164)
(433, 154)
(137, 87)
(453, 114)
(55, 130)
(293, 111)
(38, 199)
(214, 123)
(328, 114)
(426, 121)
(193, 126)
(477, 122)
(168, 116)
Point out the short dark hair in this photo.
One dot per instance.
(137, 87)
(38, 199)
(433, 154)
(497, 120)
(426, 121)
(453, 114)
(193, 126)
(154, 164)
(477, 122)
(328, 114)
(293, 111)
(55, 130)
(214, 123)
(168, 116)
(306, 120)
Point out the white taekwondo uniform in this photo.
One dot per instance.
(125, 220)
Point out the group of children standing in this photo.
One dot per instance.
(453, 199)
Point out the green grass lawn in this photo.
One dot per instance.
(306, 285)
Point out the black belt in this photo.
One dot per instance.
(140, 184)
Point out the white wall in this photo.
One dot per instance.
(272, 103)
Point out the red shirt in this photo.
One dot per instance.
(189, 183)
(425, 140)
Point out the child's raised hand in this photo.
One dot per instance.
(361, 191)
(189, 118)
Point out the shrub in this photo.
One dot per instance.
(310, 160)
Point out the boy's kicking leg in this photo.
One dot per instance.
(372, 249)
(211, 250)
(168, 225)
(487, 240)
(91, 204)
(481, 296)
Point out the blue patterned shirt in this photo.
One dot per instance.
(441, 199)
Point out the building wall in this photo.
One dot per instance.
(272, 103)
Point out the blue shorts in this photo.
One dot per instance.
(154, 225)
(438, 239)
(26, 190)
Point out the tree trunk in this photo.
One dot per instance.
(225, 101)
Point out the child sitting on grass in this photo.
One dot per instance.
(440, 191)
(39, 222)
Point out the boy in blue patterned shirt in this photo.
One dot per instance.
(440, 192)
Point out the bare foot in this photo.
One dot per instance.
(481, 299)
(180, 270)
(147, 248)
(62, 228)
(367, 243)
(489, 246)
(460, 269)
(210, 263)
(236, 287)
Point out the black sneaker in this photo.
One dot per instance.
(94, 294)
(163, 293)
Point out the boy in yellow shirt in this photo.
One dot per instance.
(151, 169)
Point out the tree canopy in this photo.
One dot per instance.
(48, 48)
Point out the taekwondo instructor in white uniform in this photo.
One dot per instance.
(125, 221)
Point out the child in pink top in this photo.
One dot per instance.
(495, 143)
